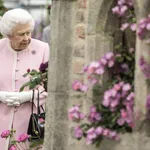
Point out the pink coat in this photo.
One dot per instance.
(12, 66)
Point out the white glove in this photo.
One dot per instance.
(4, 98)
(17, 98)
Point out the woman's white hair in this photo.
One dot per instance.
(14, 17)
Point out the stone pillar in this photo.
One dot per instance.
(142, 49)
(62, 29)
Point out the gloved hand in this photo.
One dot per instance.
(4, 98)
(17, 98)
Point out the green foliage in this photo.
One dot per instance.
(2, 11)
(36, 78)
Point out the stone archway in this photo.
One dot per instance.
(100, 36)
(101, 28)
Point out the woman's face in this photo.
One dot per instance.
(21, 37)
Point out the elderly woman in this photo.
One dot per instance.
(18, 53)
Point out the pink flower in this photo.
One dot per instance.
(109, 55)
(123, 113)
(121, 2)
(85, 68)
(91, 135)
(41, 120)
(121, 121)
(106, 132)
(110, 63)
(117, 87)
(77, 85)
(84, 88)
(5, 134)
(148, 26)
(23, 137)
(124, 26)
(99, 130)
(130, 97)
(93, 81)
(115, 10)
(126, 87)
(133, 26)
(75, 114)
(13, 147)
(103, 61)
(94, 115)
(78, 132)
(114, 103)
(123, 9)
(100, 70)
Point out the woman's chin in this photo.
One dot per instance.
(23, 46)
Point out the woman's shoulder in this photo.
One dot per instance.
(3, 41)
(40, 45)
(35, 41)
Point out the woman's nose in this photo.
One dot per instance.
(26, 37)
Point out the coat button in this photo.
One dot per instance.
(16, 79)
(18, 59)
(16, 70)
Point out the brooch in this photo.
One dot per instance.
(33, 52)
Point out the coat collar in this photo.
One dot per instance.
(29, 48)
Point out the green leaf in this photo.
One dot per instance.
(36, 143)
(25, 75)
(32, 85)
(98, 141)
(23, 86)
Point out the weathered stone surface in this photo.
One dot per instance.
(82, 3)
(92, 15)
(59, 74)
(90, 47)
(80, 16)
(79, 48)
(80, 30)
(62, 45)
(78, 66)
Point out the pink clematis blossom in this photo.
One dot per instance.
(91, 135)
(94, 115)
(133, 27)
(124, 26)
(99, 130)
(148, 26)
(77, 85)
(75, 114)
(126, 87)
(115, 10)
(78, 132)
(123, 9)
